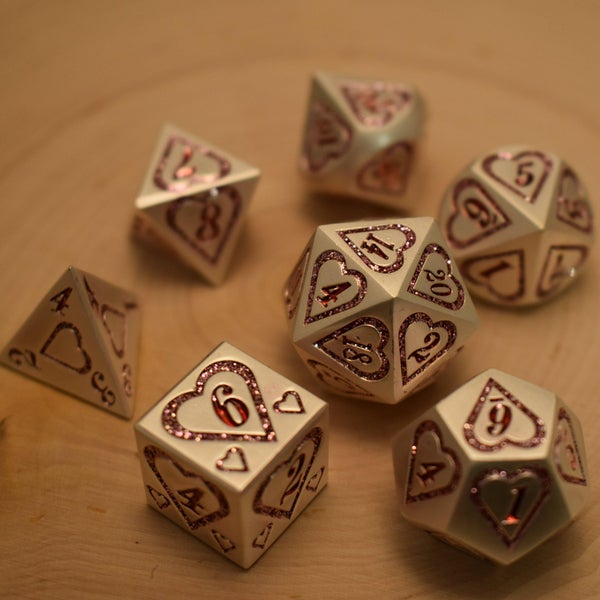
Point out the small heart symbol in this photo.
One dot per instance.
(573, 207)
(387, 172)
(290, 402)
(233, 460)
(260, 541)
(64, 346)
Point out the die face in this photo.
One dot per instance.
(250, 441)
(82, 338)
(193, 200)
(497, 467)
(360, 136)
(520, 224)
(380, 304)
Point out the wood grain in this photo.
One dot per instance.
(85, 90)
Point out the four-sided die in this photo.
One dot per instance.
(495, 468)
(193, 201)
(360, 136)
(376, 308)
(520, 224)
(234, 453)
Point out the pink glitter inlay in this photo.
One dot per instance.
(376, 104)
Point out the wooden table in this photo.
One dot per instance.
(85, 90)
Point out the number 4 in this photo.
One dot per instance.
(330, 293)
(61, 299)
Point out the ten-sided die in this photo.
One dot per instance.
(234, 453)
(193, 201)
(360, 136)
(377, 308)
(520, 224)
(495, 468)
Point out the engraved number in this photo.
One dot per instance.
(295, 475)
(431, 340)
(500, 418)
(232, 411)
(61, 299)
(524, 175)
(209, 222)
(478, 211)
(107, 395)
(375, 246)
(351, 352)
(438, 288)
(18, 356)
(192, 499)
(512, 518)
(183, 170)
(330, 293)
(127, 379)
(428, 471)
(501, 266)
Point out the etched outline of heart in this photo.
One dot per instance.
(312, 159)
(423, 428)
(160, 499)
(460, 292)
(542, 289)
(459, 212)
(360, 95)
(361, 284)
(503, 477)
(323, 372)
(176, 429)
(563, 212)
(286, 406)
(223, 541)
(488, 162)
(314, 436)
(467, 267)
(469, 427)
(384, 337)
(66, 326)
(225, 192)
(260, 541)
(398, 263)
(228, 461)
(448, 326)
(564, 416)
(372, 175)
(151, 454)
(223, 165)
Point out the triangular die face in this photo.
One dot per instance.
(183, 163)
(61, 344)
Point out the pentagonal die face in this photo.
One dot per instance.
(234, 453)
(377, 308)
(360, 136)
(495, 468)
(520, 224)
(193, 201)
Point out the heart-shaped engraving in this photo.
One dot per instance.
(501, 274)
(523, 173)
(260, 541)
(293, 286)
(327, 137)
(510, 500)
(333, 287)
(184, 163)
(65, 346)
(198, 500)
(499, 419)
(204, 221)
(335, 381)
(375, 104)
(380, 247)
(572, 205)
(289, 403)
(359, 347)
(434, 469)
(278, 495)
(474, 216)
(422, 343)
(561, 265)
(387, 172)
(225, 544)
(434, 279)
(566, 451)
(233, 460)
(225, 408)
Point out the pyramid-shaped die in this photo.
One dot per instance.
(83, 339)
(360, 136)
(377, 308)
(193, 201)
(520, 224)
(234, 453)
(495, 468)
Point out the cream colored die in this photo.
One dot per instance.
(377, 308)
(234, 453)
(520, 224)
(360, 136)
(193, 201)
(82, 338)
(495, 468)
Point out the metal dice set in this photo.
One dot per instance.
(376, 310)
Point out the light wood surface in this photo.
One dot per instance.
(86, 87)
